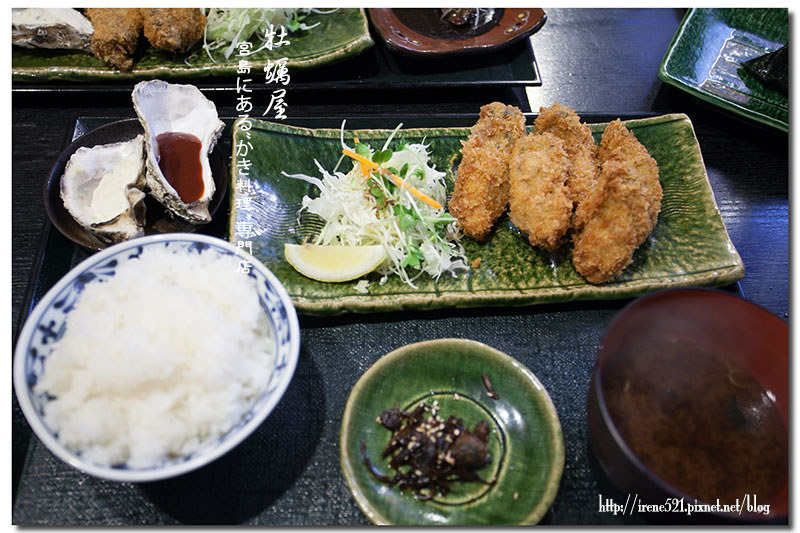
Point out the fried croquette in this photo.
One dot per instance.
(480, 193)
(539, 203)
(116, 34)
(173, 29)
(585, 189)
(628, 210)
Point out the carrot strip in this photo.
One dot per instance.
(364, 169)
(397, 180)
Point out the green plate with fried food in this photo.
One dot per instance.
(506, 458)
(333, 35)
(688, 246)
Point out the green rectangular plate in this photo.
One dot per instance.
(706, 53)
(689, 245)
(338, 36)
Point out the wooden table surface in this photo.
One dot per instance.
(597, 61)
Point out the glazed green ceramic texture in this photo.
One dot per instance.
(697, 45)
(689, 245)
(339, 35)
(525, 440)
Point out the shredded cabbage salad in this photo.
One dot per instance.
(227, 27)
(394, 198)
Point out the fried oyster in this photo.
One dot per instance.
(480, 194)
(173, 29)
(539, 203)
(583, 183)
(558, 181)
(628, 210)
(116, 34)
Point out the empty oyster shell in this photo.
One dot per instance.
(102, 189)
(179, 177)
(50, 28)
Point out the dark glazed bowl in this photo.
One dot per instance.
(685, 380)
(421, 32)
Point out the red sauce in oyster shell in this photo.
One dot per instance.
(179, 161)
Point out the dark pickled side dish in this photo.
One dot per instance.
(707, 428)
(459, 16)
(430, 454)
(179, 161)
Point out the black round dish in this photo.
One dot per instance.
(158, 219)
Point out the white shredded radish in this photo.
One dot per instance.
(361, 210)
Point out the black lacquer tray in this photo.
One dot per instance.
(288, 472)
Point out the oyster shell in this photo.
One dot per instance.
(102, 189)
(166, 108)
(51, 28)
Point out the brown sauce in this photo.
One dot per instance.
(707, 428)
(179, 161)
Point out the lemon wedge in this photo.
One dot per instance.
(333, 263)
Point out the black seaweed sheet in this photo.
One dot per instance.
(772, 69)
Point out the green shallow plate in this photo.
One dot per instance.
(525, 442)
(341, 34)
(706, 53)
(689, 245)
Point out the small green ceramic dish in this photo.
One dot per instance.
(338, 35)
(689, 245)
(706, 53)
(525, 441)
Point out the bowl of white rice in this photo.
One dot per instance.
(156, 356)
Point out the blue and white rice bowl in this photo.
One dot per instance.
(47, 324)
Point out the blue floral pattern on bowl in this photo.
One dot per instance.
(47, 323)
